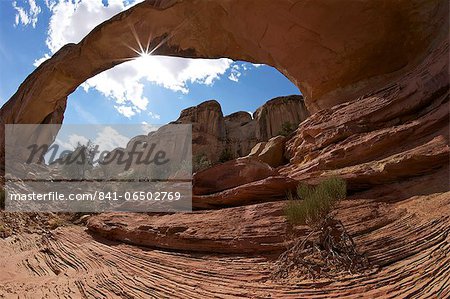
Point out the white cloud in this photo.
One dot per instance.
(50, 3)
(154, 115)
(72, 142)
(235, 72)
(25, 16)
(39, 61)
(71, 20)
(109, 138)
(126, 111)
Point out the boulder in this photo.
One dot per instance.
(257, 149)
(273, 152)
(230, 174)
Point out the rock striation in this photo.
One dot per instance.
(230, 174)
(208, 129)
(398, 133)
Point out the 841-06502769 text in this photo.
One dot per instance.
(99, 195)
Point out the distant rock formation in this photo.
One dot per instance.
(221, 137)
(273, 115)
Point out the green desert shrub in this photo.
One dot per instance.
(287, 128)
(225, 155)
(310, 205)
(200, 162)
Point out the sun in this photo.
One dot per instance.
(145, 56)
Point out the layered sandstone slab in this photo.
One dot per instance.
(230, 174)
(269, 189)
(396, 133)
(250, 229)
(408, 243)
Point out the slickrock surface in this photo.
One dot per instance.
(407, 242)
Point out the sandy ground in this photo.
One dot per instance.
(407, 242)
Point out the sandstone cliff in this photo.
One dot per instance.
(278, 112)
(214, 134)
(208, 128)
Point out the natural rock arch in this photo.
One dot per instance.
(390, 142)
(329, 52)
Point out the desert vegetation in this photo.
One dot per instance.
(328, 249)
(312, 205)
(226, 155)
(200, 162)
(287, 128)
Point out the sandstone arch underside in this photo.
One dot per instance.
(330, 49)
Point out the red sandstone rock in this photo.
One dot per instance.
(389, 139)
(397, 133)
(277, 112)
(268, 189)
(229, 175)
(272, 153)
(237, 133)
(250, 229)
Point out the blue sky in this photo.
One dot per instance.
(149, 90)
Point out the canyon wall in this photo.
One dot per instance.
(221, 137)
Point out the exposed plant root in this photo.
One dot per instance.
(331, 251)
